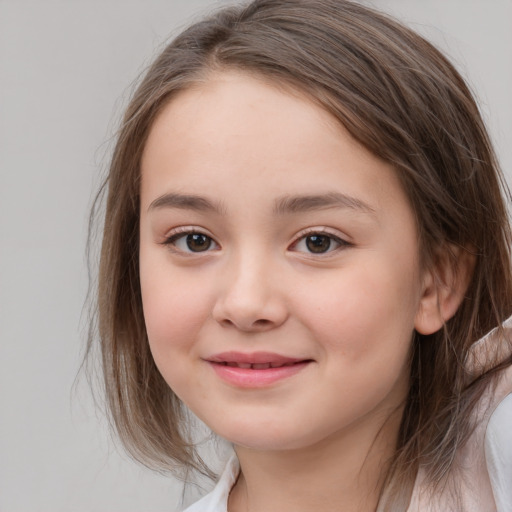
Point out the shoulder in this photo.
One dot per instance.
(481, 472)
(497, 420)
(217, 500)
(206, 504)
(498, 452)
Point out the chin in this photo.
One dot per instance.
(265, 436)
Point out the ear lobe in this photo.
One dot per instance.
(444, 286)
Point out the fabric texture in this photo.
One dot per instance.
(484, 465)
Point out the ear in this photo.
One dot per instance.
(444, 286)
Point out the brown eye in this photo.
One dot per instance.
(318, 243)
(190, 242)
(197, 242)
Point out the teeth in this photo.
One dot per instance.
(260, 366)
(256, 366)
(238, 365)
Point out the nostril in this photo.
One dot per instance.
(256, 325)
(262, 322)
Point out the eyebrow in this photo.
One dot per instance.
(186, 202)
(284, 205)
(304, 203)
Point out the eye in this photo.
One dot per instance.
(318, 243)
(191, 242)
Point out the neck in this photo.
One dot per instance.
(343, 472)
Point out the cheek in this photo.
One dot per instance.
(174, 311)
(366, 313)
(168, 320)
(173, 321)
(364, 327)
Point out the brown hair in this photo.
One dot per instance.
(401, 99)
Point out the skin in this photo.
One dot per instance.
(244, 146)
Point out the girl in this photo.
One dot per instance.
(304, 239)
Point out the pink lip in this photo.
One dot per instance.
(269, 368)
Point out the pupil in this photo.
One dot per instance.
(318, 243)
(197, 242)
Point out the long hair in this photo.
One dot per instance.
(401, 99)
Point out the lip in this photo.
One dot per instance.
(256, 369)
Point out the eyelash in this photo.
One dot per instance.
(322, 232)
(183, 233)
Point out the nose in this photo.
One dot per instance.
(250, 298)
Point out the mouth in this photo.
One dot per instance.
(256, 366)
(255, 370)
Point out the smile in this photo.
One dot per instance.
(255, 370)
(256, 366)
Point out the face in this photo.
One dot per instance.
(279, 266)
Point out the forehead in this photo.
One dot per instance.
(232, 108)
(237, 131)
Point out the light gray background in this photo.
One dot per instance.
(65, 68)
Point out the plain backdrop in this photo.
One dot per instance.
(65, 71)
